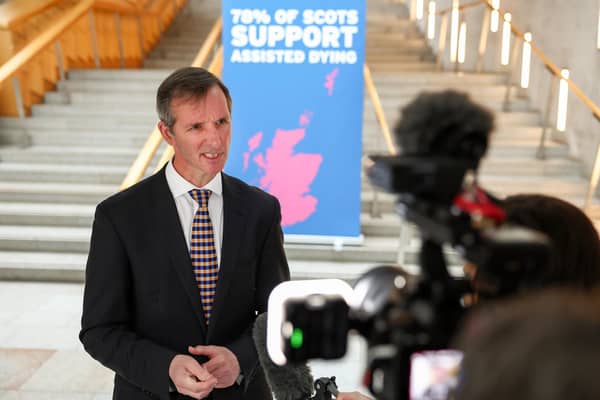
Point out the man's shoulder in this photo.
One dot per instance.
(136, 194)
(245, 190)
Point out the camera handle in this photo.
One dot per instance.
(433, 263)
(325, 388)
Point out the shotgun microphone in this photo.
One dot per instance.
(287, 382)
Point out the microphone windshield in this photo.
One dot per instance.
(447, 124)
(287, 382)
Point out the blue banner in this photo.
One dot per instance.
(295, 71)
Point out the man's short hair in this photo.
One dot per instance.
(188, 83)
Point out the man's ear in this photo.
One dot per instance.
(165, 132)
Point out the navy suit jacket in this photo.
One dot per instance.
(141, 306)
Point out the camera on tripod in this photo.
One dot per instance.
(408, 320)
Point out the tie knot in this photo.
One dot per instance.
(200, 196)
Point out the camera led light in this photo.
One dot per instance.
(296, 290)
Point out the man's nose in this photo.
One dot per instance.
(213, 135)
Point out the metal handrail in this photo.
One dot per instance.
(385, 130)
(552, 67)
(12, 14)
(556, 71)
(146, 154)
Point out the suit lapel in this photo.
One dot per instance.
(234, 224)
(174, 244)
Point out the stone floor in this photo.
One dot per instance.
(42, 359)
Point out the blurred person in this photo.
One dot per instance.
(542, 346)
(574, 259)
(352, 396)
(181, 263)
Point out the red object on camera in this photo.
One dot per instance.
(477, 201)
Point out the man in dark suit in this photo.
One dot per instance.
(149, 313)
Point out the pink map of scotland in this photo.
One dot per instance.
(286, 174)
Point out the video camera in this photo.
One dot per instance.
(409, 320)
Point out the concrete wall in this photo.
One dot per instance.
(566, 33)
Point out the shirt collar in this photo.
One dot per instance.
(179, 186)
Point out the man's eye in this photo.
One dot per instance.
(222, 121)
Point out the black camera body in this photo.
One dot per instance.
(404, 317)
(409, 320)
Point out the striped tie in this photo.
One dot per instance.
(203, 253)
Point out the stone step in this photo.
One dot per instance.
(46, 214)
(160, 63)
(438, 78)
(525, 166)
(187, 34)
(391, 22)
(384, 40)
(182, 57)
(404, 67)
(98, 124)
(177, 50)
(399, 58)
(388, 94)
(567, 186)
(81, 215)
(70, 267)
(108, 85)
(133, 141)
(69, 155)
(81, 173)
(146, 109)
(128, 80)
(141, 112)
(42, 266)
(387, 224)
(527, 149)
(388, 32)
(49, 192)
(76, 240)
(179, 55)
(44, 238)
(129, 75)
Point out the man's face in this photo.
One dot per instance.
(200, 136)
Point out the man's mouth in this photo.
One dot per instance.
(211, 156)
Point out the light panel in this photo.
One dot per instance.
(419, 11)
(454, 31)
(526, 60)
(462, 43)
(505, 55)
(431, 21)
(563, 99)
(495, 18)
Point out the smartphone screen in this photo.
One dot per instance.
(433, 374)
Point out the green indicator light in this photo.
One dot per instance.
(297, 338)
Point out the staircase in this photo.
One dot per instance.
(76, 148)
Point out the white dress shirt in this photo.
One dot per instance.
(187, 207)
